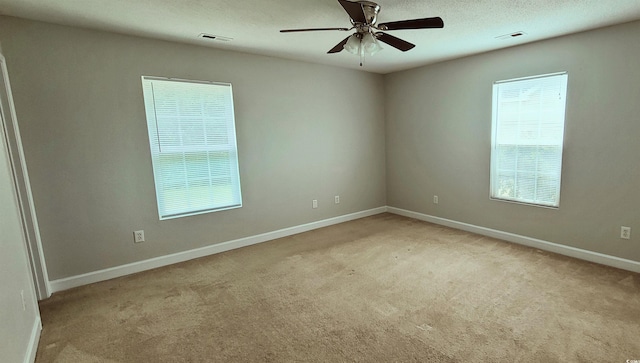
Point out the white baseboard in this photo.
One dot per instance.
(30, 357)
(526, 241)
(118, 271)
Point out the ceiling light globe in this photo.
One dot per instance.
(353, 44)
(370, 44)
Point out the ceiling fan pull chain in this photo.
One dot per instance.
(361, 51)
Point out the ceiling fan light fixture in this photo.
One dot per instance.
(359, 44)
(370, 44)
(353, 44)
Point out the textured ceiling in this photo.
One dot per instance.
(471, 26)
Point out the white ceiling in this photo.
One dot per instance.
(471, 26)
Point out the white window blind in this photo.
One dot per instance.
(193, 146)
(527, 139)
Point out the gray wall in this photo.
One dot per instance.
(438, 130)
(302, 134)
(17, 323)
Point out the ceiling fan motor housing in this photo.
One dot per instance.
(370, 10)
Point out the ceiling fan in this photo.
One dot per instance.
(364, 17)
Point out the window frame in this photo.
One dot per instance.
(493, 173)
(183, 150)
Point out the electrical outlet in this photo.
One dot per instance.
(138, 236)
(337, 198)
(625, 232)
(314, 204)
(435, 199)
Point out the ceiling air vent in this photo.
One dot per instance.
(511, 35)
(214, 37)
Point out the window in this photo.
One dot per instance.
(193, 146)
(527, 136)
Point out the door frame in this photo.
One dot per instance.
(9, 122)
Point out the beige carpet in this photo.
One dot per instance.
(379, 289)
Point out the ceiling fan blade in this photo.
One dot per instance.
(424, 23)
(311, 30)
(338, 48)
(397, 43)
(354, 10)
